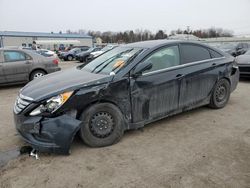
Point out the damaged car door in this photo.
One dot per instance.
(155, 85)
(199, 74)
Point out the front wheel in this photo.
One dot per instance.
(221, 94)
(70, 58)
(103, 125)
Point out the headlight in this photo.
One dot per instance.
(52, 104)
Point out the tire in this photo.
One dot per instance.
(86, 59)
(103, 125)
(70, 58)
(221, 94)
(37, 74)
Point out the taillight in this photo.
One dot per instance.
(55, 61)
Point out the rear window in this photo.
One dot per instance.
(192, 53)
(215, 54)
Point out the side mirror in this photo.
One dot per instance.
(141, 68)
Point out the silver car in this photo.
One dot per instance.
(20, 66)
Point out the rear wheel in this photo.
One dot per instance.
(221, 94)
(102, 125)
(37, 74)
(86, 60)
(70, 58)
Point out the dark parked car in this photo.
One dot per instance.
(84, 56)
(125, 88)
(70, 55)
(243, 62)
(234, 49)
(18, 66)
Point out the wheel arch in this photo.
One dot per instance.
(85, 107)
(36, 69)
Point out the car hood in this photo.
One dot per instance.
(98, 52)
(243, 59)
(61, 81)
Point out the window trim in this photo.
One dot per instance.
(182, 66)
(180, 53)
(155, 50)
(25, 55)
(201, 46)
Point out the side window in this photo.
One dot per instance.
(10, 56)
(164, 58)
(192, 53)
(215, 54)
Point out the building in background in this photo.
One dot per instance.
(51, 41)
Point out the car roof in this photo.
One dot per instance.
(155, 43)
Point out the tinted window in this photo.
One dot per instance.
(215, 54)
(14, 56)
(192, 53)
(164, 58)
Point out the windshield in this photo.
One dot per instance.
(90, 49)
(112, 61)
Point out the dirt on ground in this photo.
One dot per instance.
(196, 149)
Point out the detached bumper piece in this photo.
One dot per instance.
(49, 134)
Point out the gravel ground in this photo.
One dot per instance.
(199, 148)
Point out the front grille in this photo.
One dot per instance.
(244, 68)
(21, 103)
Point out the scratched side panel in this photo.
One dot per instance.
(163, 99)
(154, 95)
(197, 84)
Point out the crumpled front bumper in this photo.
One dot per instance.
(48, 134)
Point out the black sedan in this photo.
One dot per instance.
(125, 88)
(234, 49)
(83, 56)
(244, 64)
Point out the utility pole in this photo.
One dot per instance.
(188, 29)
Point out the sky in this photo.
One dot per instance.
(122, 15)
